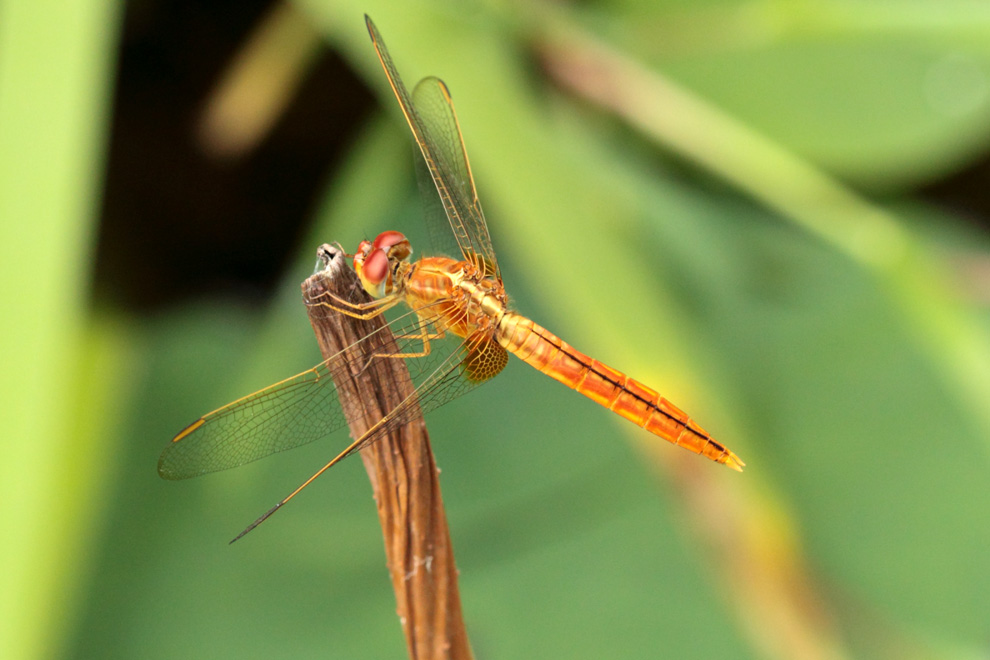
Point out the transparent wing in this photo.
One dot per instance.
(306, 407)
(431, 117)
(442, 240)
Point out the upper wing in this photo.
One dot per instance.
(431, 117)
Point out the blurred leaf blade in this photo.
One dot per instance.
(882, 96)
(55, 73)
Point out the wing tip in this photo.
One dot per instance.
(165, 470)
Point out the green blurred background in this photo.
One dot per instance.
(774, 212)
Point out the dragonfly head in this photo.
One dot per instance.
(375, 262)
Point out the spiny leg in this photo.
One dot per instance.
(354, 310)
(425, 336)
(344, 301)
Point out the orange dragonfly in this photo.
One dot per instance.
(458, 301)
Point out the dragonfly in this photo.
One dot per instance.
(456, 331)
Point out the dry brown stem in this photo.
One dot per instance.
(403, 474)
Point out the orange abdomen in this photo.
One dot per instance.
(545, 351)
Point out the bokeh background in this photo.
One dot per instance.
(774, 212)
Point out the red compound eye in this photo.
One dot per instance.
(387, 239)
(375, 267)
(395, 244)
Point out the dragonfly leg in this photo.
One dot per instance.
(356, 310)
(425, 336)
